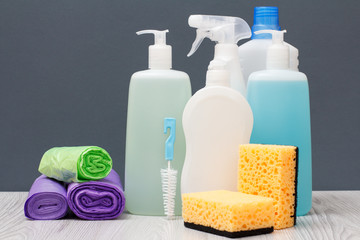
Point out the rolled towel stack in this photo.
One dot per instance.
(97, 200)
(46, 200)
(94, 191)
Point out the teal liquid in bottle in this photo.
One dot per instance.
(154, 94)
(282, 116)
(279, 99)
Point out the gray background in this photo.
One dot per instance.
(65, 68)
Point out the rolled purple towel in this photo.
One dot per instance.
(46, 200)
(97, 200)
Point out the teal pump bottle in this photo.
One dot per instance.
(154, 94)
(279, 98)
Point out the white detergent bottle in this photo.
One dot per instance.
(154, 94)
(253, 53)
(226, 32)
(279, 99)
(216, 120)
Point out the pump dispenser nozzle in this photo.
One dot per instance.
(278, 52)
(221, 29)
(159, 53)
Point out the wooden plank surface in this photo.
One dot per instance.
(335, 215)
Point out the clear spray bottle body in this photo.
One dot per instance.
(217, 118)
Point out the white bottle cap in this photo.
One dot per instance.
(217, 75)
(159, 53)
(278, 52)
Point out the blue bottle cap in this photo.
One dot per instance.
(265, 18)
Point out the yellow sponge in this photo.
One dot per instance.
(271, 171)
(230, 214)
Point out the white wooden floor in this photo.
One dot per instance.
(335, 215)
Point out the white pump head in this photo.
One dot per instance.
(220, 29)
(159, 53)
(278, 52)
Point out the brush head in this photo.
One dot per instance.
(168, 179)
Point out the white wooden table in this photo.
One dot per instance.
(335, 215)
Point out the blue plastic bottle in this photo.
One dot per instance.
(279, 99)
(253, 53)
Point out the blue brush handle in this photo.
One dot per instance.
(170, 141)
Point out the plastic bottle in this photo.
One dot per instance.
(154, 94)
(279, 98)
(226, 32)
(216, 120)
(253, 53)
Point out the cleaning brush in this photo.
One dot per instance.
(168, 175)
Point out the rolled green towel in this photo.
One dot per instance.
(76, 164)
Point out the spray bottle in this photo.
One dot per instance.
(154, 94)
(279, 99)
(226, 32)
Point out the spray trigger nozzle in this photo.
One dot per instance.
(221, 29)
(200, 35)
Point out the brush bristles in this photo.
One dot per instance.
(168, 179)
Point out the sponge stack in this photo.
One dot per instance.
(230, 214)
(271, 171)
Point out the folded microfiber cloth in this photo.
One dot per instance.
(46, 200)
(76, 164)
(97, 200)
